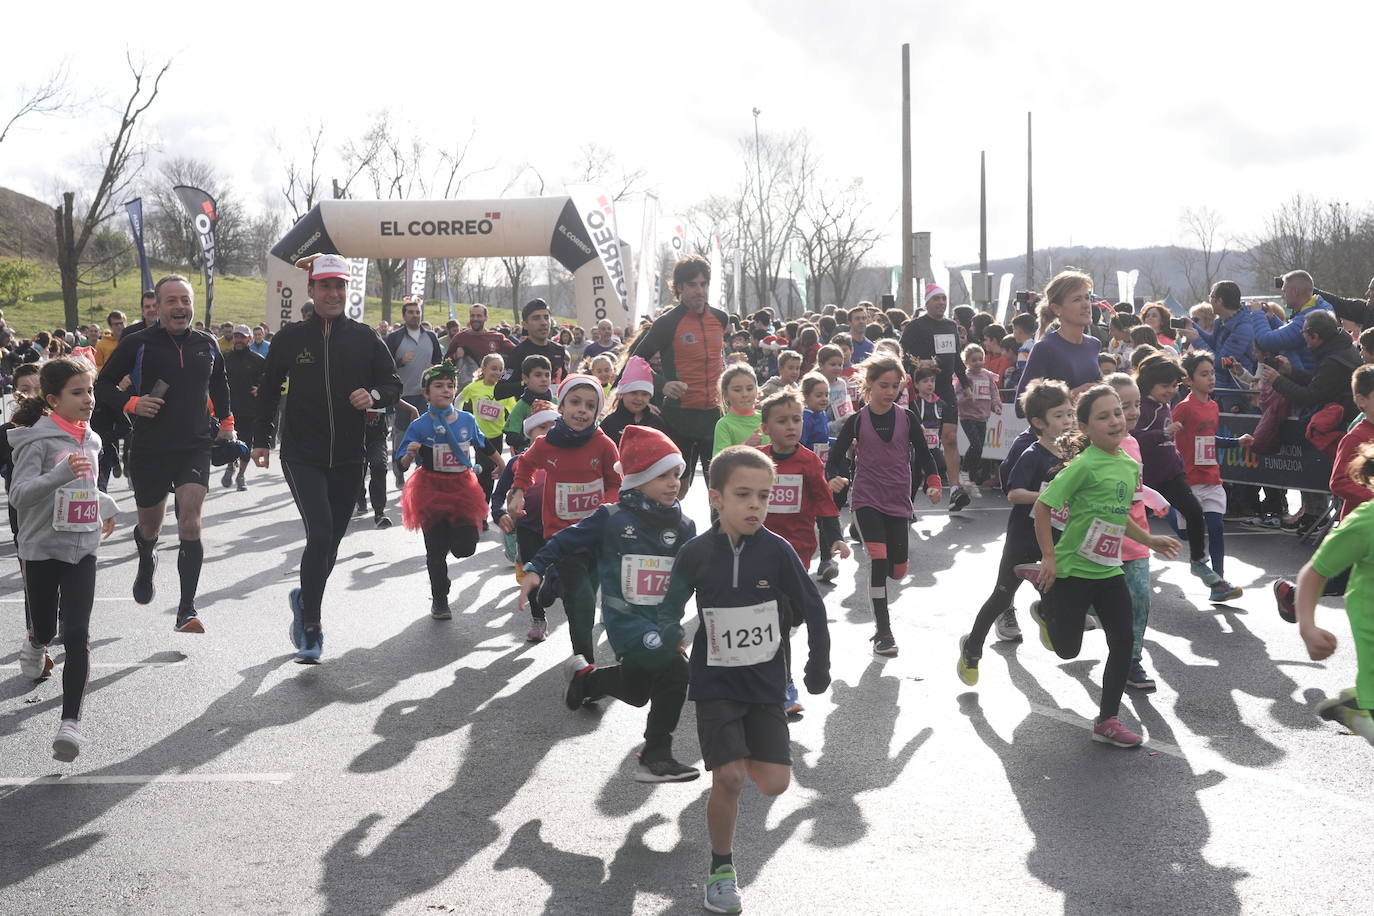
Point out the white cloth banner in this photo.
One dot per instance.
(1003, 428)
(716, 295)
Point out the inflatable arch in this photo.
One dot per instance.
(579, 231)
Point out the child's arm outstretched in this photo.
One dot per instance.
(577, 542)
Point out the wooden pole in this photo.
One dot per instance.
(1030, 212)
(905, 299)
(984, 295)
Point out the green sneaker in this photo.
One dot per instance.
(1327, 708)
(1359, 721)
(1044, 627)
(968, 667)
(722, 891)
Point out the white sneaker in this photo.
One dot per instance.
(68, 742)
(1006, 627)
(973, 491)
(34, 661)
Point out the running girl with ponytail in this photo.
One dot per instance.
(890, 453)
(1083, 570)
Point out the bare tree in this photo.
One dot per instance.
(121, 167)
(835, 237)
(301, 184)
(1154, 276)
(48, 97)
(778, 175)
(1329, 239)
(392, 168)
(1204, 252)
(598, 165)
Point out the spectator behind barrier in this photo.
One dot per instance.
(1360, 311)
(1299, 294)
(1334, 359)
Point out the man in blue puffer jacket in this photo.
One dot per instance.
(1299, 294)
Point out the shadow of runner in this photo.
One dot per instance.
(505, 746)
(855, 756)
(1115, 830)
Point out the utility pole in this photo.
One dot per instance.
(983, 299)
(904, 301)
(1030, 212)
(758, 179)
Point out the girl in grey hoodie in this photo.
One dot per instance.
(62, 518)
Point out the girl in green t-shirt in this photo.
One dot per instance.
(479, 399)
(1083, 570)
(739, 423)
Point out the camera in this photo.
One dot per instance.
(1023, 296)
(1179, 323)
(1278, 283)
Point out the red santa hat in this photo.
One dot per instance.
(541, 412)
(933, 290)
(645, 453)
(591, 382)
(637, 376)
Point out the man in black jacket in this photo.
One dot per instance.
(244, 369)
(539, 326)
(338, 369)
(1360, 311)
(180, 378)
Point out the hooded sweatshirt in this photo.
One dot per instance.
(40, 470)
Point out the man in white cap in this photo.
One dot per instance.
(931, 339)
(244, 370)
(338, 369)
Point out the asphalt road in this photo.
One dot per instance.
(431, 767)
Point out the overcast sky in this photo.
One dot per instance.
(1140, 110)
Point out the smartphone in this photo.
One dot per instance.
(1179, 323)
(1278, 283)
(159, 389)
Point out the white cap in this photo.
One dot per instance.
(243, 329)
(329, 265)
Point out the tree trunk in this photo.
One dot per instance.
(68, 259)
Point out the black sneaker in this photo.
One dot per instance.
(575, 669)
(382, 522)
(188, 622)
(664, 769)
(1139, 678)
(884, 644)
(227, 480)
(439, 610)
(144, 589)
(959, 499)
(1284, 593)
(242, 484)
(115, 467)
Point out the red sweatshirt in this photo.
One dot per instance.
(1196, 441)
(577, 480)
(800, 496)
(1351, 493)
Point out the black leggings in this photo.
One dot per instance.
(1065, 606)
(324, 498)
(657, 677)
(977, 432)
(374, 482)
(485, 465)
(1180, 496)
(440, 541)
(1001, 599)
(885, 539)
(694, 450)
(528, 543)
(54, 587)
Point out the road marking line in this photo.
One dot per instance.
(59, 780)
(117, 666)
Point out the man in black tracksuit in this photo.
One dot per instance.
(338, 369)
(180, 375)
(931, 339)
(244, 369)
(539, 326)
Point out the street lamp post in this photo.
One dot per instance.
(758, 172)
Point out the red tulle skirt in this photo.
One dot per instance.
(431, 497)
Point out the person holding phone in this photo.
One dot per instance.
(181, 382)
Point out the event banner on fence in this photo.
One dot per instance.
(1297, 465)
(1003, 428)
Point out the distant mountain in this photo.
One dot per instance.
(26, 228)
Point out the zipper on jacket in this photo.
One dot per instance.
(735, 549)
(325, 328)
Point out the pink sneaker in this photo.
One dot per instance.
(539, 629)
(1111, 731)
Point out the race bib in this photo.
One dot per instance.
(787, 495)
(982, 389)
(446, 461)
(1059, 517)
(843, 407)
(488, 409)
(76, 509)
(822, 450)
(644, 578)
(1102, 543)
(932, 437)
(740, 636)
(1205, 450)
(573, 501)
(945, 344)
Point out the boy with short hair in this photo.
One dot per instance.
(1023, 329)
(789, 373)
(742, 574)
(536, 374)
(631, 545)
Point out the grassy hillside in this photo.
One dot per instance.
(237, 299)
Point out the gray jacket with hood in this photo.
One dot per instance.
(40, 469)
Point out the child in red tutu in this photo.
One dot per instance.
(443, 498)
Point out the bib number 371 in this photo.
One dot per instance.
(737, 637)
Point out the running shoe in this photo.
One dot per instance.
(1006, 627)
(312, 646)
(1044, 627)
(1111, 731)
(34, 661)
(959, 499)
(68, 742)
(968, 667)
(884, 644)
(242, 483)
(1359, 721)
(828, 571)
(1225, 591)
(1326, 709)
(1138, 678)
(665, 769)
(722, 891)
(1030, 572)
(144, 589)
(575, 671)
(791, 704)
(539, 629)
(382, 522)
(439, 610)
(1263, 520)
(361, 508)
(188, 622)
(974, 492)
(227, 480)
(1204, 572)
(296, 631)
(1284, 594)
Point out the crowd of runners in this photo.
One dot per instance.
(815, 437)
